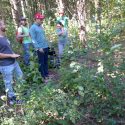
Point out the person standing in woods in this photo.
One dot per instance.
(62, 38)
(23, 32)
(82, 37)
(8, 64)
(40, 43)
(62, 18)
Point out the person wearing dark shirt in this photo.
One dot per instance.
(8, 64)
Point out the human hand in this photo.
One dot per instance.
(26, 35)
(14, 56)
(41, 50)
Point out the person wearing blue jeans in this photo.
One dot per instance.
(8, 64)
(23, 32)
(62, 38)
(40, 44)
(61, 46)
(8, 72)
(26, 49)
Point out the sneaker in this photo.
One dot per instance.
(50, 76)
(20, 101)
(46, 80)
(12, 100)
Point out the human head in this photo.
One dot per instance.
(82, 27)
(22, 21)
(39, 18)
(61, 12)
(2, 26)
(59, 25)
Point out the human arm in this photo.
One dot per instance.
(3, 56)
(62, 32)
(34, 39)
(33, 36)
(59, 32)
(58, 19)
(20, 33)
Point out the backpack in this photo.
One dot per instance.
(20, 40)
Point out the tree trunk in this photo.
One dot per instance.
(60, 4)
(81, 12)
(98, 15)
(2, 15)
(22, 8)
(14, 10)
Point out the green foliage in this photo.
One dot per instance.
(94, 78)
(91, 84)
(53, 105)
(46, 104)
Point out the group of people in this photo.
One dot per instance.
(33, 36)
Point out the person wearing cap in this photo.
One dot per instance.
(23, 32)
(62, 18)
(8, 64)
(40, 44)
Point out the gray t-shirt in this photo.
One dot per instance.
(5, 49)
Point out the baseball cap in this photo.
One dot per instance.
(22, 18)
(39, 16)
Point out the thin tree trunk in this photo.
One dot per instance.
(22, 8)
(60, 4)
(81, 19)
(45, 2)
(28, 10)
(81, 12)
(2, 15)
(14, 10)
(98, 15)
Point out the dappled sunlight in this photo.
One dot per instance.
(75, 66)
(70, 52)
(83, 86)
(112, 75)
(58, 91)
(100, 68)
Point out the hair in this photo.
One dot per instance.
(60, 23)
(82, 27)
(22, 18)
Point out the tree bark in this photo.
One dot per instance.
(60, 4)
(14, 10)
(98, 15)
(81, 13)
(23, 8)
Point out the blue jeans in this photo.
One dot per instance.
(26, 49)
(61, 46)
(43, 62)
(8, 74)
